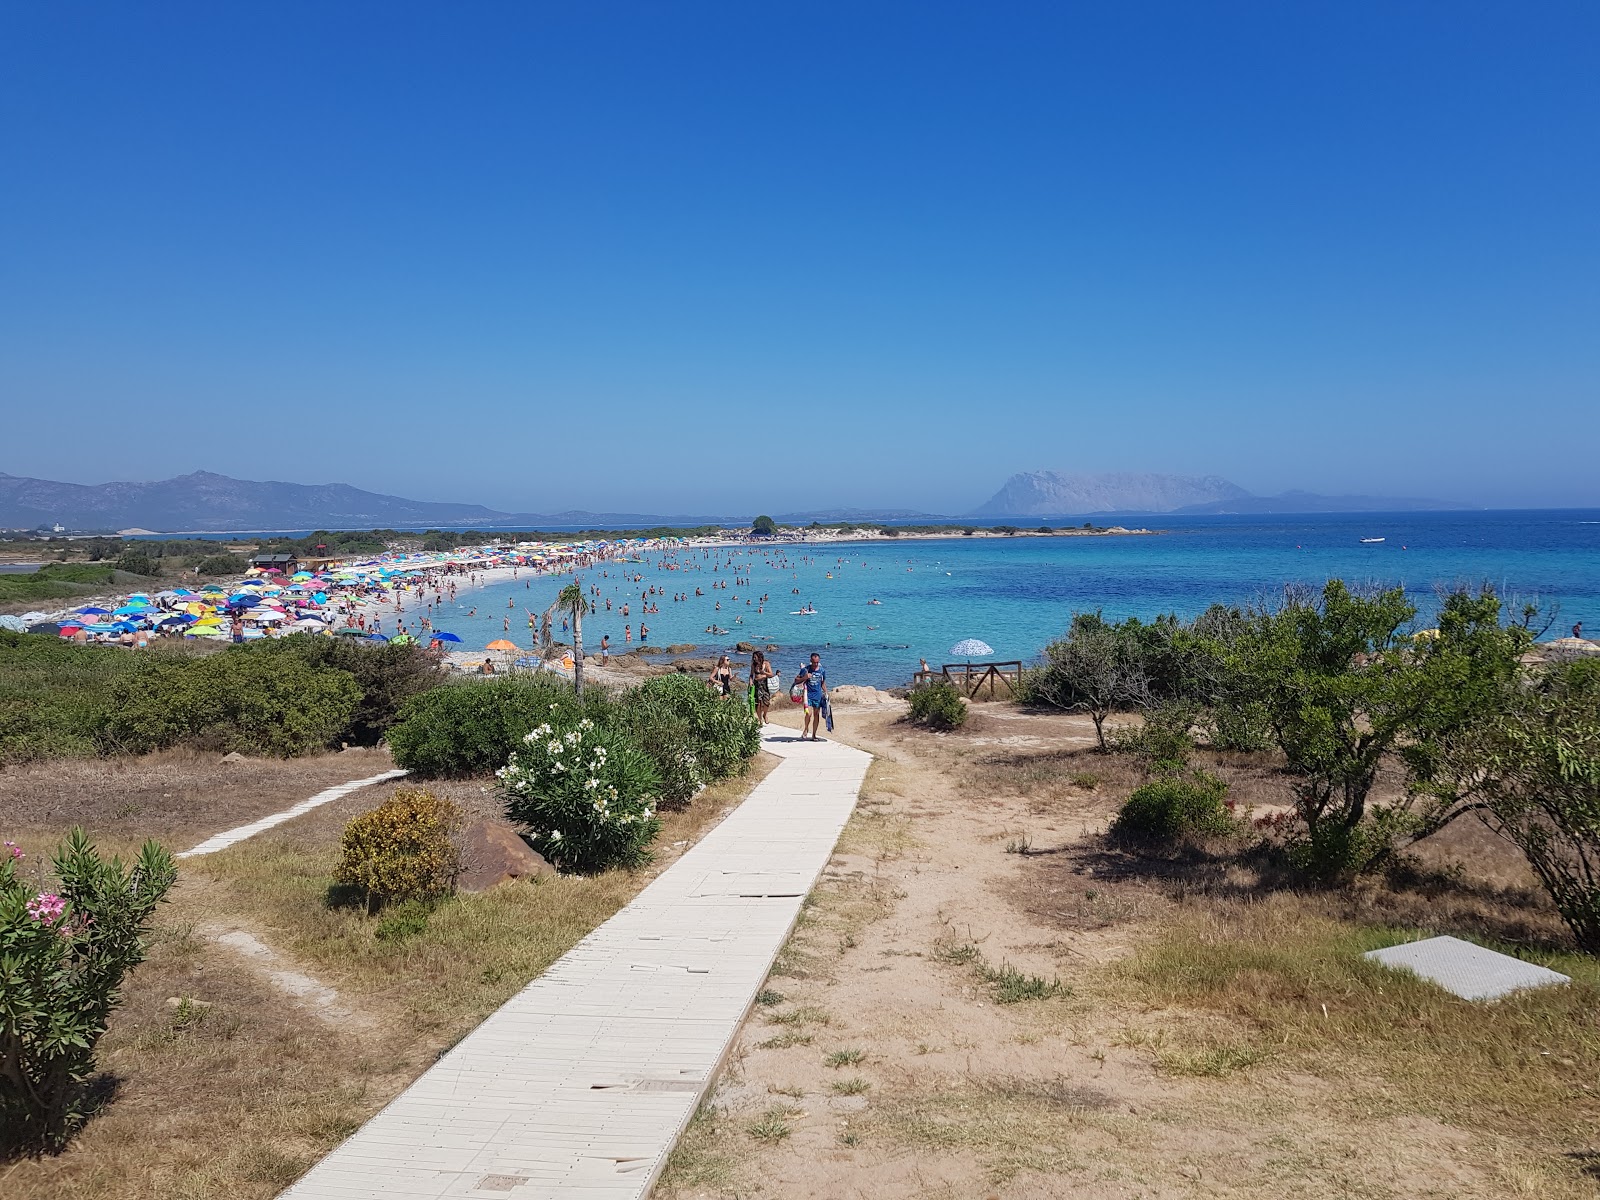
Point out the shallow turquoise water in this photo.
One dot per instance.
(1016, 594)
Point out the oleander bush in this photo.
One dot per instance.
(403, 850)
(63, 955)
(938, 706)
(587, 793)
(1166, 810)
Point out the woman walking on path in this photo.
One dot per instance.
(761, 674)
(722, 676)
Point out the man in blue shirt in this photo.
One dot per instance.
(816, 681)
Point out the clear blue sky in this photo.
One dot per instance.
(685, 256)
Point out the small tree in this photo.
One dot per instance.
(574, 601)
(764, 526)
(1530, 769)
(1094, 670)
(1342, 687)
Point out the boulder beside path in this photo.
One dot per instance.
(493, 852)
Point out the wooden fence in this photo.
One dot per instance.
(973, 678)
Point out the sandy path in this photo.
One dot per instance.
(885, 1064)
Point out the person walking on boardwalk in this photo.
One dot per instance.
(815, 680)
(761, 674)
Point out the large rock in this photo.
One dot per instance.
(853, 693)
(493, 852)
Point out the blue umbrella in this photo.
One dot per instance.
(241, 600)
(91, 611)
(376, 637)
(128, 610)
(442, 636)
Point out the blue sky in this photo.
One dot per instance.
(689, 256)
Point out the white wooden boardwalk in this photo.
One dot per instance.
(233, 836)
(581, 1083)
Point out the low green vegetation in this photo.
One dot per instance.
(1167, 810)
(55, 581)
(283, 697)
(938, 706)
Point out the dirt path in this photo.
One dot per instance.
(947, 1022)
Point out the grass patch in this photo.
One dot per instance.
(772, 1125)
(1524, 1066)
(844, 1058)
(855, 1086)
(800, 1018)
(1010, 1126)
(700, 1160)
(768, 998)
(784, 1040)
(1007, 984)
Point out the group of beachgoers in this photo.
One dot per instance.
(809, 687)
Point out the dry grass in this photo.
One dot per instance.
(1290, 982)
(240, 1097)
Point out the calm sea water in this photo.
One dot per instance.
(1018, 593)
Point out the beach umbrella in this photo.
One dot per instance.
(970, 648)
(91, 611)
(349, 632)
(242, 600)
(128, 610)
(501, 644)
(376, 637)
(440, 635)
(267, 615)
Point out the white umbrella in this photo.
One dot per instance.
(269, 615)
(970, 648)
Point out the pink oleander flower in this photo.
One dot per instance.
(46, 908)
(15, 851)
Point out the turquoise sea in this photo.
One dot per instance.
(1018, 593)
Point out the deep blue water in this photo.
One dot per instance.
(1018, 593)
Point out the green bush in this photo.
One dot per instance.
(388, 675)
(473, 728)
(938, 706)
(587, 794)
(221, 564)
(53, 696)
(693, 735)
(1166, 810)
(138, 561)
(402, 850)
(63, 955)
(235, 700)
(1162, 744)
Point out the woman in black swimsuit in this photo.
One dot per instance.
(722, 676)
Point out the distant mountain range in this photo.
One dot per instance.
(1055, 494)
(203, 502)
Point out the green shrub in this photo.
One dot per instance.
(1162, 744)
(473, 728)
(138, 561)
(388, 676)
(221, 564)
(1165, 810)
(402, 850)
(236, 700)
(693, 735)
(587, 794)
(63, 955)
(938, 706)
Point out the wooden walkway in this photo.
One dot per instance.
(233, 836)
(581, 1083)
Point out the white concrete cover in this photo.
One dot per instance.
(581, 1083)
(1468, 970)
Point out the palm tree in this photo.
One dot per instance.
(573, 599)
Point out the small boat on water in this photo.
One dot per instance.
(1369, 541)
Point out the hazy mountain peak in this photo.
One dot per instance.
(1056, 493)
